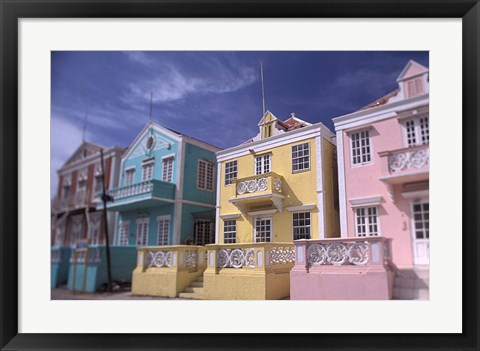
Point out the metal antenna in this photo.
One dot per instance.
(84, 132)
(150, 113)
(263, 88)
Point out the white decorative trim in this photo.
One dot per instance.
(179, 194)
(266, 144)
(341, 185)
(265, 212)
(300, 208)
(230, 216)
(162, 217)
(148, 161)
(379, 113)
(189, 202)
(169, 155)
(217, 207)
(366, 201)
(320, 192)
(401, 175)
(254, 197)
(416, 194)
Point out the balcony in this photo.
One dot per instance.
(342, 269)
(405, 165)
(71, 202)
(140, 195)
(257, 190)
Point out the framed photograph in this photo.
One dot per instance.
(45, 43)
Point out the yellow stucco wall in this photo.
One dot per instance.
(330, 186)
(299, 189)
(245, 284)
(161, 281)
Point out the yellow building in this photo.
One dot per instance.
(279, 186)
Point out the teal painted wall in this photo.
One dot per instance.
(123, 262)
(190, 191)
(59, 270)
(137, 156)
(153, 213)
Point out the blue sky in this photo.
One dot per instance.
(212, 96)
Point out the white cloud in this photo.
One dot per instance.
(168, 82)
(65, 139)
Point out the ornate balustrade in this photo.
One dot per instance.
(268, 182)
(178, 257)
(132, 190)
(255, 256)
(366, 251)
(412, 158)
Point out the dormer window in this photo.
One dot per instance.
(414, 87)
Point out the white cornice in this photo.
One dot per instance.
(366, 201)
(300, 208)
(230, 216)
(378, 113)
(277, 140)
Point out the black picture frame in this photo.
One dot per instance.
(12, 11)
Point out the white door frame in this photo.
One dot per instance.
(416, 259)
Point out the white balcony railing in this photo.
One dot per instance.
(269, 181)
(251, 256)
(132, 190)
(412, 158)
(175, 257)
(344, 252)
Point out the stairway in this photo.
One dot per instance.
(194, 290)
(411, 284)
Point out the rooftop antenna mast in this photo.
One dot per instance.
(263, 88)
(84, 135)
(150, 112)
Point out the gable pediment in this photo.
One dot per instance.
(150, 140)
(412, 69)
(84, 150)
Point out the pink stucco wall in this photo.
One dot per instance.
(363, 181)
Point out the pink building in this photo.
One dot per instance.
(383, 168)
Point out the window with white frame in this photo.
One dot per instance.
(421, 220)
(163, 228)
(77, 229)
(205, 175)
(417, 131)
(360, 142)
(262, 164)
(230, 172)
(147, 170)
(98, 183)
(123, 237)
(94, 229)
(301, 225)
(263, 229)
(167, 169)
(300, 157)
(366, 221)
(65, 191)
(203, 232)
(129, 176)
(229, 231)
(142, 231)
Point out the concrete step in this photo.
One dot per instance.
(199, 279)
(191, 289)
(190, 295)
(196, 284)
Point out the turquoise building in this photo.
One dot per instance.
(166, 193)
